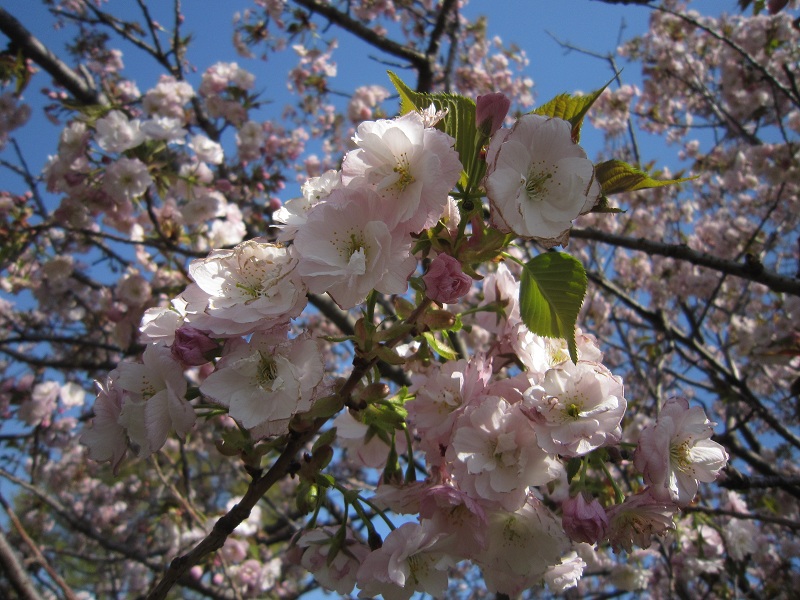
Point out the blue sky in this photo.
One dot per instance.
(590, 24)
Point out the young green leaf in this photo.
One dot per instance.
(551, 292)
(459, 122)
(616, 176)
(570, 108)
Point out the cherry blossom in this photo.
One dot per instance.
(538, 180)
(116, 133)
(105, 437)
(407, 562)
(584, 521)
(347, 249)
(496, 456)
(411, 167)
(266, 380)
(254, 286)
(334, 568)
(675, 453)
(445, 282)
(522, 546)
(154, 400)
(576, 408)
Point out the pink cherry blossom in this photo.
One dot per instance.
(490, 111)
(406, 563)
(333, 572)
(445, 282)
(584, 521)
(576, 408)
(191, 346)
(251, 287)
(676, 453)
(266, 380)
(459, 518)
(347, 249)
(412, 167)
(441, 396)
(538, 180)
(638, 519)
(495, 455)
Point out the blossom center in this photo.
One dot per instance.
(267, 370)
(679, 455)
(403, 170)
(536, 183)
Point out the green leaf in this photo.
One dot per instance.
(616, 176)
(551, 292)
(459, 122)
(570, 108)
(440, 347)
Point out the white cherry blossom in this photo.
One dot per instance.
(251, 287)
(347, 249)
(676, 452)
(538, 180)
(116, 133)
(265, 381)
(412, 167)
(155, 400)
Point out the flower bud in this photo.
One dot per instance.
(776, 6)
(191, 346)
(445, 282)
(490, 110)
(582, 521)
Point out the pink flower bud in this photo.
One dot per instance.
(490, 110)
(582, 521)
(776, 6)
(445, 282)
(191, 346)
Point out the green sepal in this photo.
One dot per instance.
(388, 355)
(603, 206)
(570, 108)
(326, 438)
(616, 176)
(573, 467)
(552, 288)
(441, 348)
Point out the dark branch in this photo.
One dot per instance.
(32, 48)
(749, 270)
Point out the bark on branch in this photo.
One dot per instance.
(32, 48)
(418, 60)
(750, 270)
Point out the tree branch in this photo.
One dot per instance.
(751, 271)
(417, 59)
(32, 48)
(15, 571)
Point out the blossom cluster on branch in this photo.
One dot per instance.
(464, 360)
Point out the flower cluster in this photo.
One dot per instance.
(499, 430)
